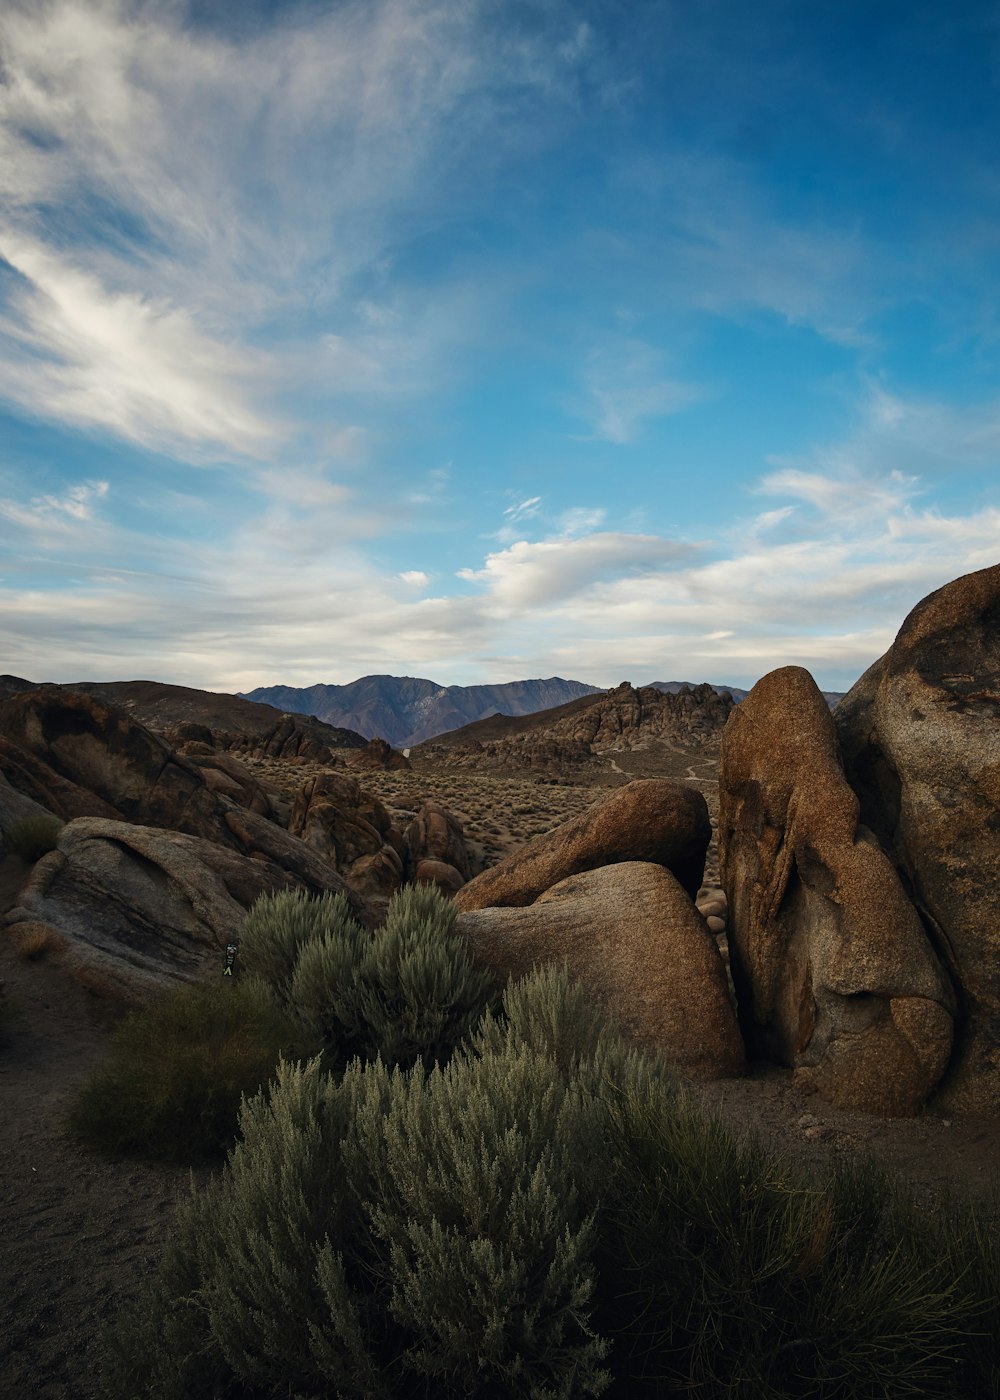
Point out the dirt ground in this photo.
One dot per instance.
(76, 1230)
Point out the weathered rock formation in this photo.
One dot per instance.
(352, 830)
(436, 853)
(378, 754)
(652, 820)
(132, 910)
(15, 807)
(832, 968)
(80, 756)
(920, 735)
(630, 935)
(566, 740)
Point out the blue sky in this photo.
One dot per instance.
(490, 340)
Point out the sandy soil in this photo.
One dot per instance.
(76, 1230)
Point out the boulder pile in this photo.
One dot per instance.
(860, 854)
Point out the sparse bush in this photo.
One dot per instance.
(407, 992)
(176, 1071)
(546, 1205)
(395, 1230)
(33, 837)
(279, 926)
(722, 1271)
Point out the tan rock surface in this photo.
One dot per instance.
(435, 834)
(832, 968)
(631, 935)
(920, 734)
(132, 910)
(650, 820)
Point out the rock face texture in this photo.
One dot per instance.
(132, 910)
(630, 934)
(573, 736)
(352, 830)
(653, 820)
(379, 754)
(91, 759)
(920, 735)
(832, 968)
(433, 839)
(15, 807)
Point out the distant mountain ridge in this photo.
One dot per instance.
(408, 709)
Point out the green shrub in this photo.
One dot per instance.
(722, 1271)
(279, 926)
(547, 1204)
(32, 837)
(552, 1013)
(408, 992)
(171, 1086)
(390, 1233)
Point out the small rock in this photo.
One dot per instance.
(808, 1120)
(715, 924)
(817, 1134)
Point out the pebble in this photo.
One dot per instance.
(715, 924)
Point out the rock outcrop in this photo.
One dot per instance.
(436, 853)
(132, 910)
(352, 830)
(920, 735)
(379, 754)
(652, 820)
(93, 756)
(15, 808)
(567, 740)
(630, 935)
(832, 968)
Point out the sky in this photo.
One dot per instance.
(483, 340)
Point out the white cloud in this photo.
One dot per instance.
(173, 196)
(72, 350)
(625, 386)
(415, 578)
(528, 575)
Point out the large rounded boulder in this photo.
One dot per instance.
(653, 820)
(920, 736)
(631, 936)
(833, 970)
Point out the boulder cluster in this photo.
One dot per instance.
(854, 935)
(860, 853)
(164, 848)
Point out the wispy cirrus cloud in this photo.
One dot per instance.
(174, 198)
(626, 387)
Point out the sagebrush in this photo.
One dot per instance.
(547, 1215)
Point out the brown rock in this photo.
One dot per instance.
(379, 754)
(630, 934)
(832, 969)
(95, 756)
(438, 872)
(435, 834)
(350, 828)
(920, 734)
(27, 774)
(652, 820)
(132, 910)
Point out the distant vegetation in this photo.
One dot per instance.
(529, 1209)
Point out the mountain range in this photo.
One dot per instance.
(405, 710)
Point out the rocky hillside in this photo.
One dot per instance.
(574, 735)
(405, 710)
(215, 718)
